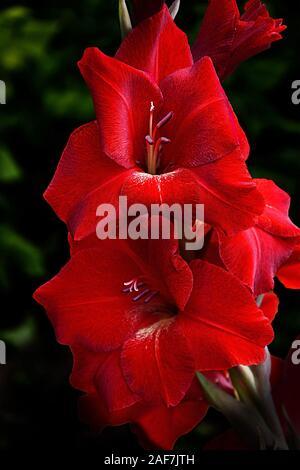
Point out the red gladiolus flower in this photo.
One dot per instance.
(141, 321)
(230, 38)
(256, 255)
(166, 133)
(226, 36)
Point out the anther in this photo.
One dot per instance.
(149, 140)
(140, 295)
(165, 120)
(150, 297)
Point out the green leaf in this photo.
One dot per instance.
(14, 247)
(20, 336)
(9, 169)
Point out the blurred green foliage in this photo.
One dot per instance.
(46, 99)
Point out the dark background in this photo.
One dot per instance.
(46, 100)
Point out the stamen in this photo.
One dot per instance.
(141, 294)
(153, 144)
(134, 286)
(165, 120)
(150, 297)
(149, 140)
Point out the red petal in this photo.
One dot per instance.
(255, 255)
(229, 38)
(289, 273)
(204, 127)
(93, 411)
(83, 170)
(269, 305)
(223, 325)
(157, 426)
(158, 261)
(168, 271)
(157, 47)
(122, 96)
(157, 364)
(85, 301)
(100, 372)
(85, 366)
(83, 219)
(231, 198)
(111, 384)
(275, 218)
(217, 33)
(160, 427)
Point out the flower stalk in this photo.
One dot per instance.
(252, 411)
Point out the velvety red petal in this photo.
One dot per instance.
(111, 384)
(85, 302)
(92, 410)
(157, 363)
(157, 47)
(269, 305)
(230, 39)
(85, 366)
(204, 127)
(289, 273)
(217, 33)
(168, 271)
(231, 198)
(160, 427)
(122, 96)
(275, 218)
(254, 256)
(178, 186)
(210, 251)
(83, 167)
(157, 426)
(83, 219)
(158, 261)
(223, 325)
